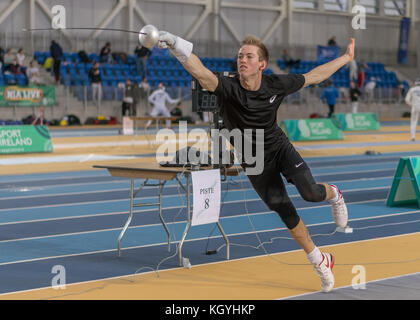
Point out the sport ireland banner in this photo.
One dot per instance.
(311, 129)
(32, 96)
(24, 139)
(357, 121)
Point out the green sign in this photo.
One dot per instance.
(311, 129)
(25, 139)
(405, 188)
(356, 121)
(31, 96)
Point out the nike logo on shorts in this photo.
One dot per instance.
(298, 165)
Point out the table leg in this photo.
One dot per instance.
(226, 239)
(187, 227)
(160, 215)
(130, 216)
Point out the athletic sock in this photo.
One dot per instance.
(336, 196)
(315, 256)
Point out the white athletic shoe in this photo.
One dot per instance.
(324, 270)
(339, 210)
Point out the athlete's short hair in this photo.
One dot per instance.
(254, 41)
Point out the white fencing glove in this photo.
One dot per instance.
(179, 47)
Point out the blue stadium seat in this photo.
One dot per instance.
(108, 93)
(9, 79)
(94, 57)
(21, 79)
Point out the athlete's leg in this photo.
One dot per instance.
(269, 185)
(296, 171)
(413, 122)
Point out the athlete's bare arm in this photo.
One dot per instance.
(182, 50)
(207, 79)
(326, 70)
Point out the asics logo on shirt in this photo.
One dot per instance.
(273, 98)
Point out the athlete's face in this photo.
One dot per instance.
(249, 61)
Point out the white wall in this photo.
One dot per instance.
(308, 29)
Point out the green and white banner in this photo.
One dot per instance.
(311, 129)
(24, 139)
(357, 121)
(405, 188)
(31, 96)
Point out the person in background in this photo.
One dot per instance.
(9, 57)
(332, 42)
(56, 53)
(353, 70)
(159, 98)
(370, 89)
(143, 94)
(177, 112)
(96, 80)
(32, 72)
(129, 107)
(15, 67)
(20, 57)
(289, 62)
(2, 55)
(142, 54)
(413, 99)
(361, 74)
(105, 54)
(354, 97)
(329, 96)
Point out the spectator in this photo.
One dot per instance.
(9, 57)
(370, 89)
(20, 57)
(15, 67)
(21, 60)
(129, 107)
(289, 62)
(32, 73)
(142, 54)
(144, 92)
(159, 98)
(329, 96)
(332, 42)
(413, 99)
(83, 56)
(353, 70)
(56, 53)
(354, 97)
(2, 55)
(177, 112)
(105, 54)
(361, 74)
(96, 80)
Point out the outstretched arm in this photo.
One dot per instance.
(326, 70)
(182, 50)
